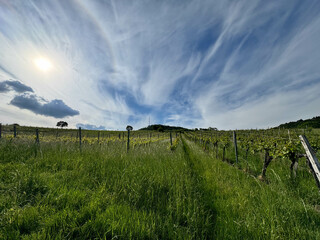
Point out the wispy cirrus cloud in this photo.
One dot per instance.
(191, 63)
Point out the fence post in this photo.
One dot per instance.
(14, 130)
(128, 128)
(37, 136)
(235, 145)
(313, 160)
(128, 142)
(80, 137)
(170, 138)
(289, 135)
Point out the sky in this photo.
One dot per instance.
(106, 64)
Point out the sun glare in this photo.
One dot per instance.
(43, 64)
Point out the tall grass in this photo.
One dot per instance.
(281, 208)
(58, 192)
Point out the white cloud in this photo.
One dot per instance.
(159, 54)
(268, 111)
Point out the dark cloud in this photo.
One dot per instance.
(14, 85)
(4, 87)
(55, 108)
(90, 127)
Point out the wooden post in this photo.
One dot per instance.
(37, 136)
(313, 160)
(247, 150)
(80, 137)
(14, 130)
(235, 145)
(217, 150)
(289, 135)
(128, 142)
(223, 152)
(171, 138)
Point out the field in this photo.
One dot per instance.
(193, 189)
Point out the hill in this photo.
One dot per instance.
(162, 128)
(310, 123)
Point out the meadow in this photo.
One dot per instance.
(57, 190)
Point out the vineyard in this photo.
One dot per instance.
(81, 184)
(254, 147)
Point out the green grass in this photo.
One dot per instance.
(152, 192)
(281, 208)
(100, 193)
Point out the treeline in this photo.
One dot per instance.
(308, 123)
(162, 128)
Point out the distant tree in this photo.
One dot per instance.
(62, 124)
(161, 128)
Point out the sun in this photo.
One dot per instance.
(43, 64)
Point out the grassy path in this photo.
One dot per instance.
(247, 208)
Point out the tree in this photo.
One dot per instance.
(62, 124)
(161, 128)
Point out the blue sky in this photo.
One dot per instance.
(217, 63)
